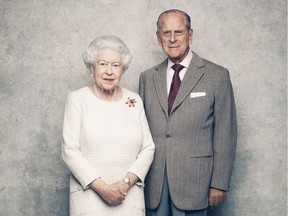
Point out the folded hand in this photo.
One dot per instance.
(123, 187)
(112, 194)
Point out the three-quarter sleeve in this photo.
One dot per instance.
(146, 154)
(79, 166)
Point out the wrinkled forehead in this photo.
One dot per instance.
(173, 20)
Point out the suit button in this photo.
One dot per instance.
(168, 136)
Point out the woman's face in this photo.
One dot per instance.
(107, 69)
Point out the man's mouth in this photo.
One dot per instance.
(173, 47)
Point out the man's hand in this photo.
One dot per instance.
(217, 197)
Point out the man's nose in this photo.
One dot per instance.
(172, 37)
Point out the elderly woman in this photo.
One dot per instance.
(106, 144)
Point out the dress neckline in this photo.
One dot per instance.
(104, 101)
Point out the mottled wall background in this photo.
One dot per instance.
(41, 46)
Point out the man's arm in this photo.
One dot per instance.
(225, 139)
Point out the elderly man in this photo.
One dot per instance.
(190, 108)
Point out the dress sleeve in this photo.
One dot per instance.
(71, 153)
(146, 154)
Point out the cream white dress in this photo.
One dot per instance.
(107, 140)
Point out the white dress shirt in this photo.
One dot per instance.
(170, 72)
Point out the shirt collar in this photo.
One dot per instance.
(186, 61)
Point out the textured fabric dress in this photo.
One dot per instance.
(107, 140)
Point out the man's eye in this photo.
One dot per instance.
(179, 33)
(166, 33)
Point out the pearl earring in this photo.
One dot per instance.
(91, 75)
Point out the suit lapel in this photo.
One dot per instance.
(161, 85)
(191, 78)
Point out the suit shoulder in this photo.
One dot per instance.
(216, 72)
(208, 66)
(213, 66)
(149, 71)
(153, 69)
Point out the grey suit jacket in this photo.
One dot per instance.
(197, 142)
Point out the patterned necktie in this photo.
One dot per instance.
(175, 85)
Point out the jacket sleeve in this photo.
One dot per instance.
(225, 133)
(78, 165)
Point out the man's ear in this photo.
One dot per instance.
(158, 39)
(190, 36)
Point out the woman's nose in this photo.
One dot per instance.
(109, 70)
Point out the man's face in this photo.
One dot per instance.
(174, 37)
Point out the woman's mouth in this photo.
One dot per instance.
(108, 80)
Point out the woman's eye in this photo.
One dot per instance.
(116, 65)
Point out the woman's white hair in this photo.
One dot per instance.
(107, 41)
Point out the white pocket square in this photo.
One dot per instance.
(197, 94)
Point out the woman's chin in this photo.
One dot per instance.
(108, 88)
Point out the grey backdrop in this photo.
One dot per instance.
(41, 46)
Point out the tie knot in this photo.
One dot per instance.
(177, 67)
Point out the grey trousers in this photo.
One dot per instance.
(167, 208)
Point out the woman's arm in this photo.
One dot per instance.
(78, 165)
(146, 154)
